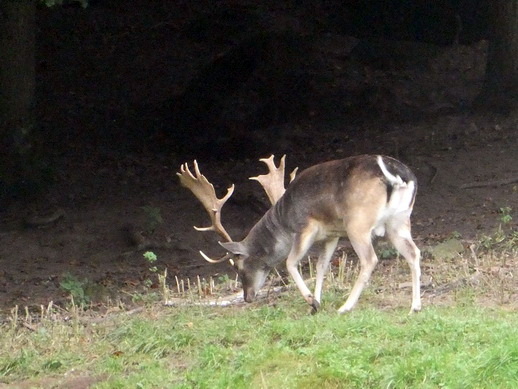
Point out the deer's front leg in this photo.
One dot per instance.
(301, 245)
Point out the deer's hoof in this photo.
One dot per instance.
(315, 306)
(414, 310)
(343, 311)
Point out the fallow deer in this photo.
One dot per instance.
(356, 197)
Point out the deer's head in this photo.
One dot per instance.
(252, 271)
(251, 266)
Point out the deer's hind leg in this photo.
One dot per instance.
(360, 238)
(398, 231)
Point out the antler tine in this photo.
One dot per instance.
(293, 174)
(273, 182)
(226, 257)
(204, 191)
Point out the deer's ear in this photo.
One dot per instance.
(237, 248)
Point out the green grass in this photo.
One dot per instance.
(280, 346)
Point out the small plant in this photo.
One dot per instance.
(490, 241)
(387, 252)
(501, 235)
(151, 257)
(456, 235)
(153, 218)
(76, 288)
(224, 279)
(505, 215)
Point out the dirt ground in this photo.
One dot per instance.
(107, 77)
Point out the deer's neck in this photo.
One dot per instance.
(269, 239)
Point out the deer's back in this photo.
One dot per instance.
(333, 192)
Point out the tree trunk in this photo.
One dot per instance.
(501, 84)
(17, 83)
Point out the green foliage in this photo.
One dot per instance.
(504, 237)
(151, 258)
(456, 235)
(490, 241)
(75, 288)
(505, 215)
(224, 279)
(387, 252)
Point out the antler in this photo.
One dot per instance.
(204, 191)
(273, 182)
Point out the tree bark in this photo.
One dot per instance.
(501, 84)
(17, 84)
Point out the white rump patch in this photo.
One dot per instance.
(400, 203)
(401, 197)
